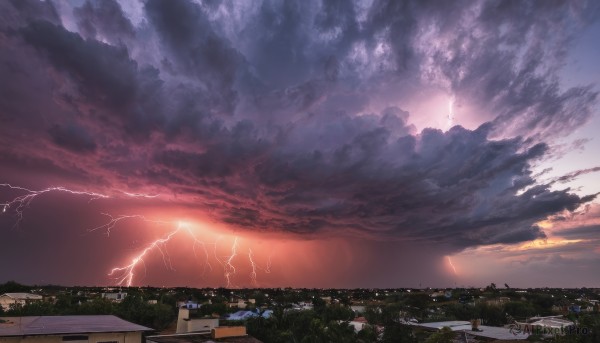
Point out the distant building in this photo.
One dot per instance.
(116, 297)
(358, 323)
(465, 329)
(239, 304)
(74, 329)
(8, 299)
(186, 323)
(190, 305)
(358, 309)
(226, 334)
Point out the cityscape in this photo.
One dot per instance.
(189, 171)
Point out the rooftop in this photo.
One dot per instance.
(484, 331)
(49, 325)
(23, 296)
(199, 338)
(552, 322)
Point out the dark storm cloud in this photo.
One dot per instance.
(265, 118)
(193, 46)
(106, 71)
(573, 175)
(506, 58)
(73, 138)
(583, 232)
(104, 20)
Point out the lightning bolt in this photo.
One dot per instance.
(21, 202)
(452, 265)
(115, 220)
(203, 245)
(268, 269)
(253, 265)
(229, 267)
(125, 274)
(141, 195)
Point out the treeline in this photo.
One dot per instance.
(134, 308)
(321, 324)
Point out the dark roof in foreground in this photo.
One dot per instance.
(51, 325)
(200, 338)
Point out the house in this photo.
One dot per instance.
(483, 332)
(8, 299)
(186, 322)
(239, 304)
(116, 297)
(190, 305)
(358, 323)
(358, 309)
(545, 325)
(76, 329)
(231, 334)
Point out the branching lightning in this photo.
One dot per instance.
(125, 275)
(114, 220)
(268, 269)
(229, 267)
(21, 202)
(127, 272)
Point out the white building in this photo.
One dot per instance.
(8, 299)
(75, 329)
(117, 297)
(186, 323)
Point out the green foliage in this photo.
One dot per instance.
(324, 324)
(398, 333)
(445, 335)
(209, 309)
(37, 308)
(13, 287)
(133, 308)
(136, 309)
(367, 334)
(520, 309)
(491, 315)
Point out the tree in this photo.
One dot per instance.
(13, 287)
(397, 333)
(340, 332)
(367, 334)
(445, 335)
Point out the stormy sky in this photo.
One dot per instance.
(300, 143)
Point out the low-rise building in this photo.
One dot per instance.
(116, 297)
(358, 323)
(74, 329)
(186, 323)
(190, 305)
(223, 334)
(8, 299)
